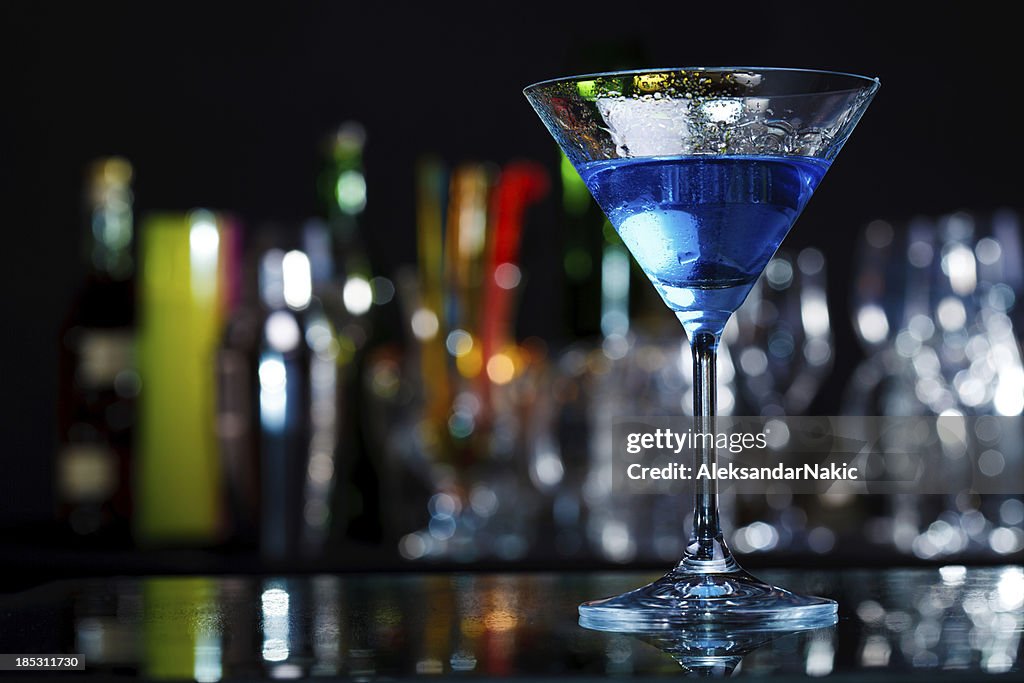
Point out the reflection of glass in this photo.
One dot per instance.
(714, 651)
(703, 172)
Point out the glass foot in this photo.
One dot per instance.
(684, 598)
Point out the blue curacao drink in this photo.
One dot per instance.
(703, 227)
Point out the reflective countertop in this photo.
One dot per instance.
(966, 622)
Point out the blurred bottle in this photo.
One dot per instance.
(584, 246)
(605, 291)
(278, 410)
(182, 305)
(352, 300)
(237, 424)
(329, 363)
(98, 383)
(343, 199)
(284, 380)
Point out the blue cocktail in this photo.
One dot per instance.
(703, 227)
(703, 172)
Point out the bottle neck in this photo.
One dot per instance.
(345, 183)
(109, 228)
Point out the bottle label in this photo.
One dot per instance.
(103, 354)
(86, 473)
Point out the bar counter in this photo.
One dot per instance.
(949, 623)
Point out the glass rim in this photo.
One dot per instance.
(867, 82)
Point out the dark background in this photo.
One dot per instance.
(225, 108)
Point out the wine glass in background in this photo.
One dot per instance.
(782, 340)
(974, 370)
(950, 351)
(783, 336)
(878, 293)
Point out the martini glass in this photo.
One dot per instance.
(703, 171)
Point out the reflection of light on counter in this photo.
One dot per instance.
(619, 652)
(999, 652)
(500, 620)
(953, 574)
(820, 658)
(207, 667)
(89, 639)
(463, 661)
(430, 666)
(876, 651)
(326, 626)
(274, 603)
(286, 671)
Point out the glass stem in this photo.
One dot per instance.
(706, 551)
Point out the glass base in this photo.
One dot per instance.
(685, 598)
